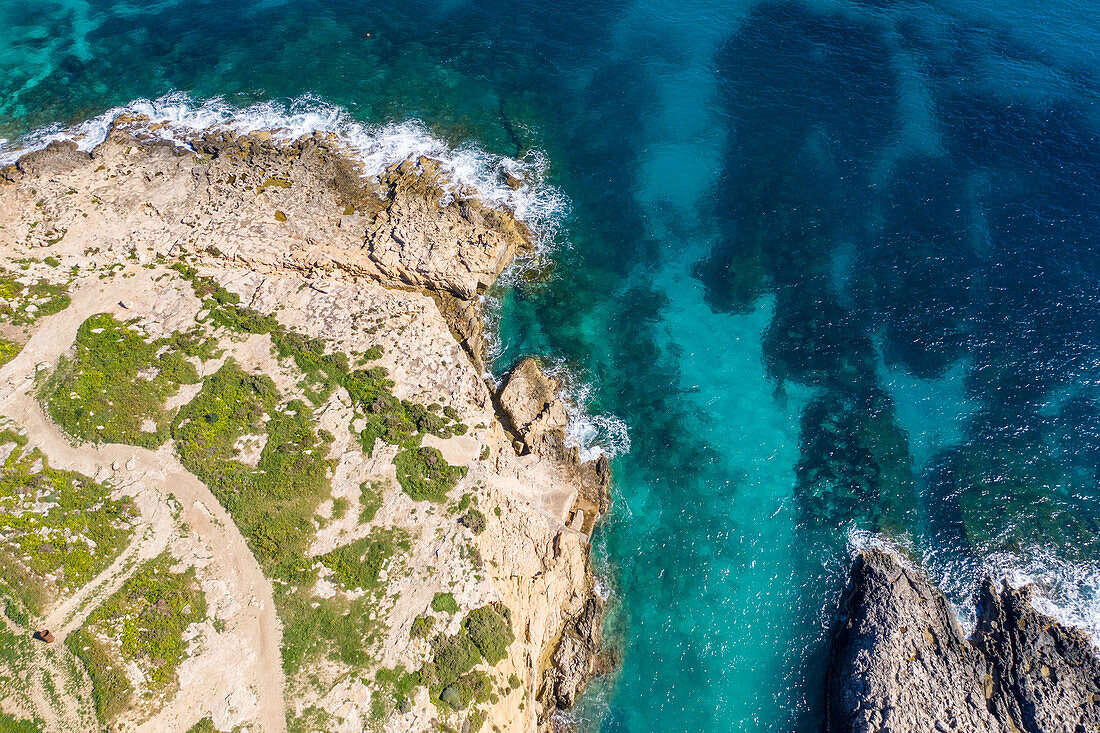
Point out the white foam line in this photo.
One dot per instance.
(593, 434)
(177, 118)
(1067, 591)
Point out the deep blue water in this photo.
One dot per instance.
(832, 265)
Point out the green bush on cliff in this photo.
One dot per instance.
(424, 475)
(357, 565)
(474, 520)
(421, 627)
(444, 603)
(453, 656)
(490, 629)
(486, 633)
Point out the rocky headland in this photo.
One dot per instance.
(253, 476)
(902, 663)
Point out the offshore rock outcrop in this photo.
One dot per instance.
(901, 662)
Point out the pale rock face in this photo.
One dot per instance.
(530, 399)
(459, 248)
(295, 232)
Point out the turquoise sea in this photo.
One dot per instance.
(822, 273)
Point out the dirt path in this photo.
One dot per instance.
(212, 684)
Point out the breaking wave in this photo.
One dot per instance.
(177, 118)
(1067, 591)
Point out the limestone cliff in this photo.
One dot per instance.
(901, 662)
(272, 365)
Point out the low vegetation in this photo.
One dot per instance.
(115, 386)
(11, 724)
(444, 603)
(58, 529)
(485, 635)
(386, 417)
(142, 624)
(357, 566)
(370, 501)
(24, 300)
(274, 502)
(424, 475)
(393, 690)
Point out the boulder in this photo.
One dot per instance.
(537, 414)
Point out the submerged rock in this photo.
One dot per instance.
(901, 662)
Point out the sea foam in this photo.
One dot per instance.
(1067, 591)
(177, 118)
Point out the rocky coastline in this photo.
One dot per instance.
(901, 662)
(236, 230)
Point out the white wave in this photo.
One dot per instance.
(1067, 591)
(593, 434)
(177, 118)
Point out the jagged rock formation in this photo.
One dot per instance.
(575, 659)
(531, 400)
(901, 662)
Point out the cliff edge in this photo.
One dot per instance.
(251, 475)
(901, 662)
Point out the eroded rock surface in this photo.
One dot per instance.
(388, 267)
(901, 662)
(575, 659)
(530, 400)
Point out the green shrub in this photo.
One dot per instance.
(111, 690)
(475, 520)
(358, 565)
(453, 656)
(370, 501)
(118, 380)
(153, 607)
(422, 627)
(56, 543)
(444, 603)
(424, 475)
(490, 630)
